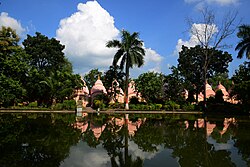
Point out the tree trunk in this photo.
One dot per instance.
(126, 86)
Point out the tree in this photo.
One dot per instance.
(110, 76)
(51, 76)
(150, 85)
(191, 63)
(244, 45)
(241, 79)
(46, 54)
(130, 51)
(91, 77)
(13, 68)
(210, 37)
(174, 86)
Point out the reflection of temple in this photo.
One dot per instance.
(120, 122)
(200, 123)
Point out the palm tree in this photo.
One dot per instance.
(130, 51)
(244, 45)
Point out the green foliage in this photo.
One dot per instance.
(69, 104)
(150, 85)
(193, 61)
(189, 107)
(174, 86)
(58, 106)
(171, 105)
(33, 104)
(130, 52)
(13, 68)
(219, 96)
(114, 73)
(241, 79)
(91, 77)
(244, 45)
(50, 76)
(98, 104)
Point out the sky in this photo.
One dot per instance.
(84, 27)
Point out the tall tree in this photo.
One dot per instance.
(210, 35)
(241, 79)
(191, 63)
(150, 85)
(244, 45)
(13, 68)
(51, 76)
(131, 53)
(174, 85)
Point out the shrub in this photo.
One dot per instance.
(158, 106)
(189, 107)
(69, 104)
(171, 105)
(58, 106)
(33, 104)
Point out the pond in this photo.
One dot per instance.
(63, 140)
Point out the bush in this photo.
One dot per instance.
(171, 105)
(98, 104)
(158, 106)
(189, 107)
(58, 106)
(69, 104)
(33, 104)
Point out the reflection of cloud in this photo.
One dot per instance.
(85, 34)
(7, 21)
(137, 152)
(82, 155)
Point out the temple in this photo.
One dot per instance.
(83, 96)
(211, 93)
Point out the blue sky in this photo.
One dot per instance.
(85, 26)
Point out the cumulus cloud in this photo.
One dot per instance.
(7, 21)
(200, 3)
(85, 34)
(197, 30)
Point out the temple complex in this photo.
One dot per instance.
(211, 93)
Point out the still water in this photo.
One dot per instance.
(53, 140)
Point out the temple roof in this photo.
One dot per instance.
(98, 87)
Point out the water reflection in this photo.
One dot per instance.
(195, 142)
(35, 139)
(104, 140)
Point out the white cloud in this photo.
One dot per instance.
(200, 3)
(193, 40)
(85, 34)
(7, 21)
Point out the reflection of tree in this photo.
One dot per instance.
(35, 141)
(190, 146)
(188, 142)
(149, 136)
(115, 141)
(242, 139)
